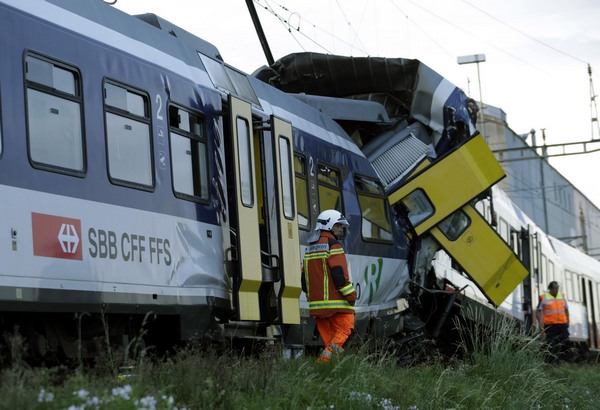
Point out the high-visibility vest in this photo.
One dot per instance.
(554, 308)
(324, 297)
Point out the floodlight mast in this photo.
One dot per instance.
(476, 58)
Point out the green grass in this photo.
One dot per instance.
(499, 369)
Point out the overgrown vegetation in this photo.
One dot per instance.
(500, 368)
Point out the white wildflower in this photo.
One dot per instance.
(361, 396)
(148, 403)
(122, 391)
(94, 402)
(170, 400)
(44, 396)
(387, 404)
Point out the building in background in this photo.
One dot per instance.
(538, 189)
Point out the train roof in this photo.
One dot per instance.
(575, 260)
(406, 88)
(164, 39)
(110, 17)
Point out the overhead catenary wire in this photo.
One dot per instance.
(524, 33)
(445, 20)
(291, 29)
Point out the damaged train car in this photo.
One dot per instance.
(418, 132)
(159, 189)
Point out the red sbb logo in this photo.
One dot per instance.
(56, 236)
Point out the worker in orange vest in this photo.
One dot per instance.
(553, 312)
(326, 282)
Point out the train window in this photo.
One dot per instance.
(301, 173)
(544, 270)
(480, 207)
(503, 229)
(418, 205)
(376, 223)
(0, 130)
(229, 79)
(515, 242)
(54, 115)
(245, 161)
(128, 136)
(455, 225)
(330, 196)
(241, 85)
(286, 177)
(189, 157)
(551, 275)
(569, 283)
(576, 297)
(535, 257)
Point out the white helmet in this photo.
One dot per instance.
(328, 218)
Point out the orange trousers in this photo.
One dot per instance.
(335, 330)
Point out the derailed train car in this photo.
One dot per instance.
(149, 187)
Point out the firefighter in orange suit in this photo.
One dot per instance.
(553, 312)
(325, 280)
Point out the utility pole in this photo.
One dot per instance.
(593, 107)
(543, 159)
(476, 58)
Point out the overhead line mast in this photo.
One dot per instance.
(565, 148)
(593, 107)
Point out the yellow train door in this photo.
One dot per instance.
(436, 197)
(248, 277)
(288, 288)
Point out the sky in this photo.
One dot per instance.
(537, 52)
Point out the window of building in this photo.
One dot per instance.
(330, 188)
(54, 115)
(376, 223)
(189, 156)
(301, 173)
(128, 137)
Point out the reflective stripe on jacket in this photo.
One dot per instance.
(554, 308)
(325, 277)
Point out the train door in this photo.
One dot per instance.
(244, 211)
(593, 315)
(597, 314)
(288, 288)
(590, 317)
(263, 218)
(528, 298)
(279, 293)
